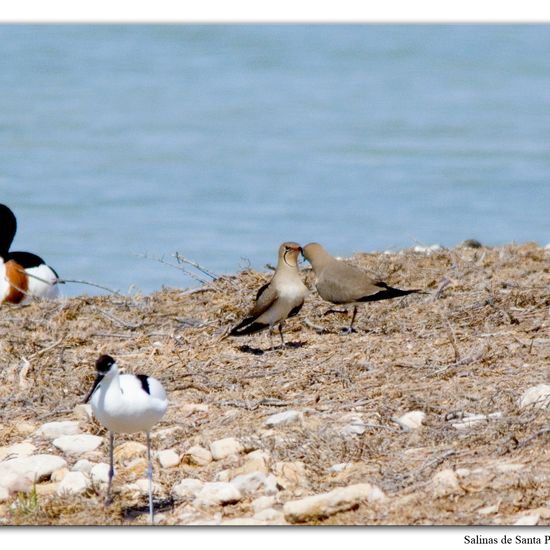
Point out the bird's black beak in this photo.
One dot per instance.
(97, 380)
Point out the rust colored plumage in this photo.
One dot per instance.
(18, 280)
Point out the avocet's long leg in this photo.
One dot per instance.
(150, 478)
(112, 467)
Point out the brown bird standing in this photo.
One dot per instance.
(279, 299)
(342, 283)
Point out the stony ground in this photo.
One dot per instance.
(434, 412)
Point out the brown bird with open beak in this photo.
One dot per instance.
(342, 283)
(279, 299)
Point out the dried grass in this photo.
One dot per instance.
(473, 343)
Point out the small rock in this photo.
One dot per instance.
(83, 412)
(529, 519)
(4, 494)
(83, 465)
(58, 475)
(187, 487)
(355, 427)
(100, 473)
(270, 515)
(536, 396)
(225, 447)
(336, 468)
(129, 450)
(224, 475)
(36, 467)
(198, 456)
(291, 475)
(271, 487)
(411, 420)
(248, 484)
(327, 504)
(286, 417)
(445, 483)
(74, 483)
(261, 503)
(14, 483)
(53, 430)
(78, 444)
(168, 458)
(488, 510)
(217, 493)
(17, 451)
(470, 420)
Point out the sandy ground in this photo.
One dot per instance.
(472, 344)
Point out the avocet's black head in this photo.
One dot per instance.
(103, 366)
(104, 363)
(8, 227)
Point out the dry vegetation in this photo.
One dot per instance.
(473, 343)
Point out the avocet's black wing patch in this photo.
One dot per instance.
(144, 379)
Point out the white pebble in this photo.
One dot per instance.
(100, 473)
(217, 493)
(411, 420)
(187, 487)
(470, 420)
(327, 504)
(336, 468)
(52, 430)
(78, 444)
(198, 455)
(83, 465)
(17, 451)
(225, 447)
(536, 396)
(529, 519)
(168, 458)
(261, 503)
(34, 467)
(286, 417)
(83, 411)
(271, 486)
(270, 515)
(445, 483)
(58, 475)
(74, 483)
(356, 426)
(248, 484)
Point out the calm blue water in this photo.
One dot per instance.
(220, 142)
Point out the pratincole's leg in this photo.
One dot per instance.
(350, 329)
(111, 467)
(281, 333)
(270, 338)
(150, 478)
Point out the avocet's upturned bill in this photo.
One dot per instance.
(126, 403)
